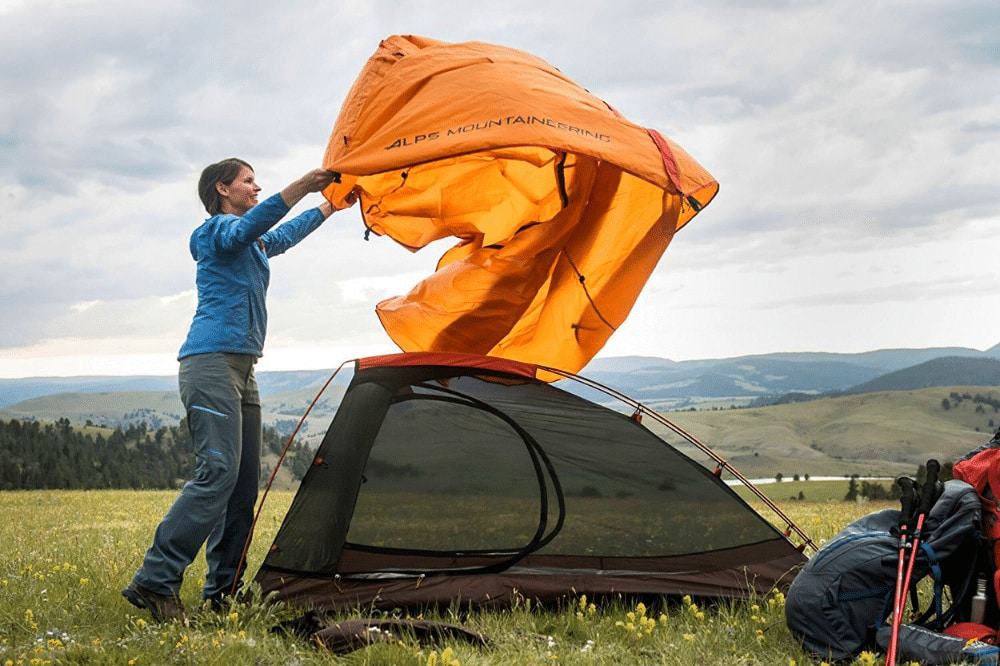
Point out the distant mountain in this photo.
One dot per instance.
(13, 391)
(947, 371)
(730, 381)
(659, 382)
(618, 364)
(281, 411)
(885, 360)
(755, 379)
(16, 390)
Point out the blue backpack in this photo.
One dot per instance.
(842, 597)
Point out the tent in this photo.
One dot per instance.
(449, 477)
(561, 206)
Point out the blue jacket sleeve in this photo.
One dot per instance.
(240, 232)
(288, 234)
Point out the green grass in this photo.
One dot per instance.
(66, 556)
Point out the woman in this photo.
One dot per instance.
(217, 382)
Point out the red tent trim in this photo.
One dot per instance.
(450, 359)
(669, 165)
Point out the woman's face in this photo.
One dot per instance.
(240, 195)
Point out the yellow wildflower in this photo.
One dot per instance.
(689, 637)
(867, 658)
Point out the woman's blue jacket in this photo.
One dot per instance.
(233, 274)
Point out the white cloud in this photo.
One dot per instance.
(83, 306)
(856, 144)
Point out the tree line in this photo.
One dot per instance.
(56, 455)
(876, 491)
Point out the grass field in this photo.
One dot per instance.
(813, 491)
(66, 556)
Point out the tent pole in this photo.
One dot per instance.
(274, 473)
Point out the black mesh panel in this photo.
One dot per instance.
(446, 474)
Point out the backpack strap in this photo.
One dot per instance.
(942, 618)
(935, 564)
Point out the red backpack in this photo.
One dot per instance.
(981, 470)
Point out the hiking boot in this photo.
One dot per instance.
(162, 607)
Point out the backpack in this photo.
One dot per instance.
(843, 595)
(980, 468)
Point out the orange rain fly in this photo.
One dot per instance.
(562, 207)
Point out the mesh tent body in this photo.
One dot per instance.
(561, 206)
(450, 477)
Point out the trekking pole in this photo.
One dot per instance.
(928, 493)
(907, 499)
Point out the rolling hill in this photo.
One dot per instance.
(872, 433)
(937, 372)
(158, 408)
(13, 391)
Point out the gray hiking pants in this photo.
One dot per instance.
(219, 392)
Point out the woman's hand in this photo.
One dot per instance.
(328, 209)
(312, 181)
(317, 179)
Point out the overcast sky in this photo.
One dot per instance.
(857, 145)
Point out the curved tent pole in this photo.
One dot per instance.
(274, 473)
(722, 463)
